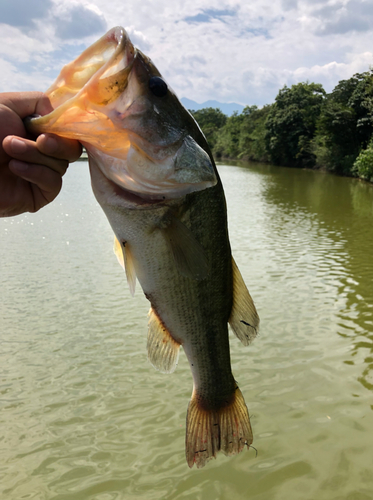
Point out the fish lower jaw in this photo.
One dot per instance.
(130, 198)
(109, 192)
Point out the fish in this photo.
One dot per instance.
(154, 176)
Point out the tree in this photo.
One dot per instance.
(228, 137)
(363, 166)
(345, 124)
(291, 124)
(210, 121)
(252, 133)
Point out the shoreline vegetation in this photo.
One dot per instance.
(304, 128)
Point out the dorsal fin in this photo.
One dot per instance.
(244, 318)
(124, 257)
(163, 350)
(189, 256)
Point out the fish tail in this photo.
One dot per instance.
(226, 429)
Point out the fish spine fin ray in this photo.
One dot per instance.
(163, 349)
(125, 259)
(226, 429)
(244, 319)
(118, 250)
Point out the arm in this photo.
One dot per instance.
(30, 171)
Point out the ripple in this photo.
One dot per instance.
(88, 418)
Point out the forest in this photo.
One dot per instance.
(305, 127)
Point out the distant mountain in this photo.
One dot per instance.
(227, 107)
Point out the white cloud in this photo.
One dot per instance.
(75, 20)
(229, 50)
(13, 80)
(343, 17)
(334, 71)
(138, 38)
(23, 13)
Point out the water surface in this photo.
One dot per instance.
(83, 415)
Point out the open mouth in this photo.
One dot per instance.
(85, 86)
(113, 100)
(105, 65)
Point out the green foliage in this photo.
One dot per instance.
(345, 124)
(305, 127)
(363, 166)
(228, 138)
(291, 124)
(252, 135)
(242, 135)
(210, 121)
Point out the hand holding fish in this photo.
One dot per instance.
(30, 171)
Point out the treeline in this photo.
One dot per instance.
(304, 127)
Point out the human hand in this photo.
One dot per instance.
(30, 171)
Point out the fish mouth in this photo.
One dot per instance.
(104, 65)
(86, 86)
(138, 135)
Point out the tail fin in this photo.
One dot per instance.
(208, 431)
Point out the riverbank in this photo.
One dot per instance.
(315, 168)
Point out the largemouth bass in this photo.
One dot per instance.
(154, 176)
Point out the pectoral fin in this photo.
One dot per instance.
(244, 318)
(124, 257)
(163, 350)
(189, 256)
(118, 250)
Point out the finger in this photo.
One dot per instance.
(59, 147)
(47, 180)
(27, 103)
(26, 151)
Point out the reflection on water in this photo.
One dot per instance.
(83, 415)
(342, 210)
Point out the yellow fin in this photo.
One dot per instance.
(118, 250)
(163, 350)
(227, 429)
(189, 256)
(244, 318)
(124, 257)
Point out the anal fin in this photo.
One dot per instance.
(226, 429)
(125, 259)
(244, 319)
(163, 349)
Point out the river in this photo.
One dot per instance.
(83, 414)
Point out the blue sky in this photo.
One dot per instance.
(225, 50)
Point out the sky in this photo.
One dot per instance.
(228, 50)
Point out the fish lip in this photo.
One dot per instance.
(124, 50)
(135, 199)
(120, 36)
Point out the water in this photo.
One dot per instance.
(83, 415)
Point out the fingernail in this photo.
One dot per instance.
(17, 146)
(19, 166)
(50, 144)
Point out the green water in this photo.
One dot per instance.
(83, 415)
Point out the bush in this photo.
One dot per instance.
(363, 166)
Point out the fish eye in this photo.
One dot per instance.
(158, 86)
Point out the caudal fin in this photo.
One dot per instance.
(227, 429)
